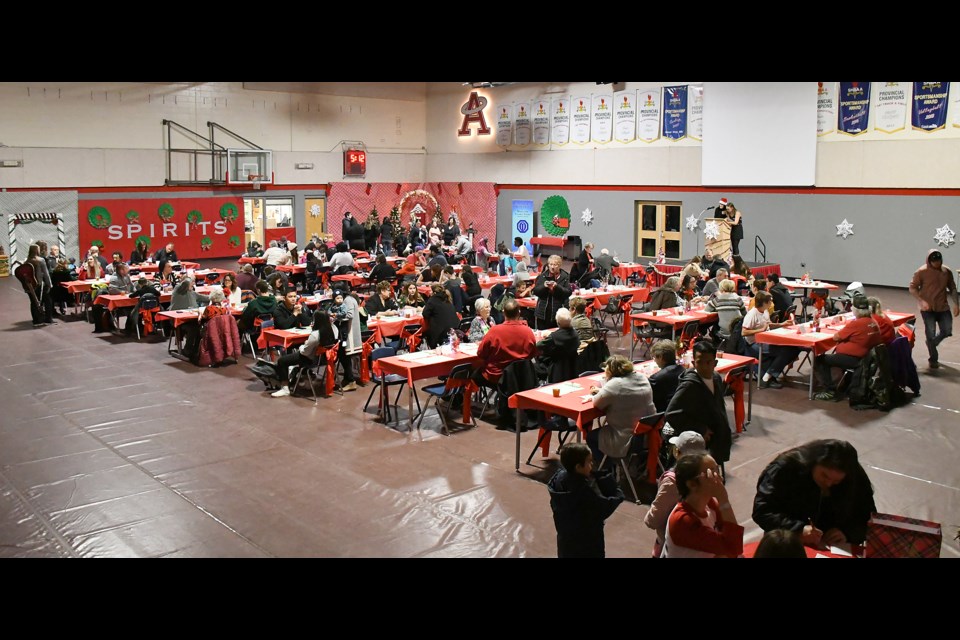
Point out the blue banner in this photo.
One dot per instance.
(675, 112)
(522, 226)
(854, 107)
(930, 105)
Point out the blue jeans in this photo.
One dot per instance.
(930, 321)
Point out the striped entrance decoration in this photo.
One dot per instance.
(26, 218)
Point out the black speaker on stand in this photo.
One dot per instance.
(573, 247)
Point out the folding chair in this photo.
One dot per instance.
(212, 278)
(689, 334)
(560, 426)
(447, 391)
(389, 380)
(411, 336)
(600, 330)
(330, 351)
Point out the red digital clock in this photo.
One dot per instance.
(354, 162)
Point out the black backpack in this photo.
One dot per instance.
(872, 386)
(735, 342)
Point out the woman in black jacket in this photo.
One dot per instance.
(819, 490)
(439, 315)
(470, 279)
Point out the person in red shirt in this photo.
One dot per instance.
(855, 339)
(504, 343)
(887, 331)
(703, 524)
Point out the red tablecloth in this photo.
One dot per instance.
(246, 260)
(751, 548)
(547, 241)
(153, 266)
(391, 326)
(293, 268)
(284, 337)
(354, 280)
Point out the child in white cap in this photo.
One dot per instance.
(668, 496)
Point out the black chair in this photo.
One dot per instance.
(390, 380)
(465, 328)
(147, 303)
(212, 278)
(310, 375)
(559, 425)
(446, 391)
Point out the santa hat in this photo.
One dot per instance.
(723, 202)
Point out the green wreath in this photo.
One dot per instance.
(553, 210)
(97, 243)
(194, 217)
(132, 215)
(234, 241)
(206, 243)
(165, 211)
(229, 211)
(144, 239)
(99, 218)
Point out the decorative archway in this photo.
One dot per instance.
(26, 218)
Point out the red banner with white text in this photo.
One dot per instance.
(197, 227)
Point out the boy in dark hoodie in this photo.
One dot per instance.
(265, 302)
(934, 288)
(581, 501)
(700, 400)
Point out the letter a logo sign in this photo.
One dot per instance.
(472, 111)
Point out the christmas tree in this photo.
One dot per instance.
(375, 215)
(395, 221)
(438, 216)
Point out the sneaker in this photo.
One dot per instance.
(283, 393)
(825, 395)
(352, 386)
(934, 364)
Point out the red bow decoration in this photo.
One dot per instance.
(365, 359)
(147, 316)
(413, 341)
(331, 370)
(398, 188)
(736, 383)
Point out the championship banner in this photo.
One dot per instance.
(695, 121)
(580, 126)
(522, 226)
(826, 108)
(504, 125)
(625, 116)
(197, 227)
(675, 113)
(521, 123)
(560, 121)
(602, 127)
(854, 107)
(890, 111)
(930, 105)
(648, 120)
(541, 122)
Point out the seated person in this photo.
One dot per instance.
(462, 245)
(473, 283)
(854, 340)
(505, 343)
(382, 271)
(758, 285)
(291, 313)
(606, 262)
(557, 353)
(432, 273)
(624, 397)
(342, 260)
(819, 490)
(756, 321)
(780, 543)
(688, 442)
(264, 303)
(231, 290)
(274, 255)
(713, 285)
(279, 283)
(324, 334)
(217, 306)
(581, 323)
(522, 285)
(667, 296)
(411, 296)
(254, 250)
(439, 316)
(382, 303)
(703, 524)
(140, 253)
(727, 305)
(166, 276)
(700, 400)
(120, 282)
(482, 322)
(246, 279)
(782, 299)
(166, 254)
(91, 269)
(436, 257)
(711, 263)
(117, 259)
(186, 297)
(665, 381)
(888, 333)
(581, 501)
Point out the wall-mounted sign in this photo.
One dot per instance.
(472, 111)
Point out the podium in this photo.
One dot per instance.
(721, 246)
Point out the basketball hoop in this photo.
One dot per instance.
(257, 184)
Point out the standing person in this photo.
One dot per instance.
(687, 443)
(350, 343)
(439, 315)
(353, 233)
(552, 289)
(386, 236)
(41, 300)
(819, 490)
(734, 219)
(700, 400)
(581, 501)
(703, 524)
(371, 231)
(435, 233)
(44, 276)
(451, 231)
(933, 286)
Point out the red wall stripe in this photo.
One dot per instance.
(790, 190)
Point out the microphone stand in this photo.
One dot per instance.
(700, 215)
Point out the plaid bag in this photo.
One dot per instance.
(890, 536)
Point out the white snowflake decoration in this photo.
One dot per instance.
(315, 210)
(945, 236)
(845, 229)
(711, 231)
(692, 223)
(586, 217)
